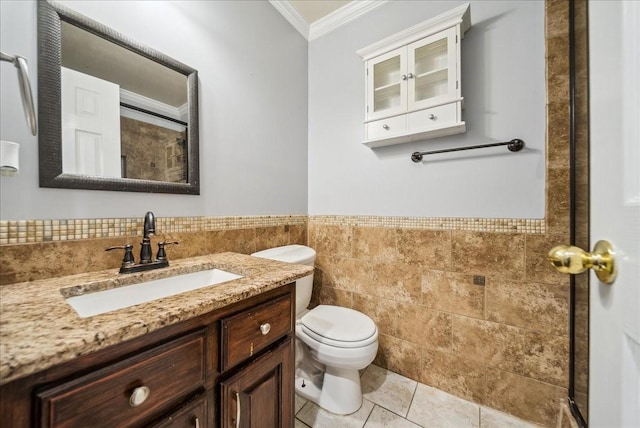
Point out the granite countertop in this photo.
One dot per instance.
(38, 328)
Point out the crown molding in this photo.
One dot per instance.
(457, 16)
(340, 17)
(290, 13)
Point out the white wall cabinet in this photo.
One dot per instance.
(413, 88)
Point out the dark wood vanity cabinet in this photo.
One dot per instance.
(191, 374)
(261, 395)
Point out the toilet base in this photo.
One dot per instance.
(340, 392)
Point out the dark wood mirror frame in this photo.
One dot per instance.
(50, 16)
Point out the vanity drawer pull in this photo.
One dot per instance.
(265, 328)
(139, 396)
(385, 126)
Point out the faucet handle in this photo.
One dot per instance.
(162, 255)
(128, 253)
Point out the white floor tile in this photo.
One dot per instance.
(388, 389)
(299, 403)
(434, 408)
(491, 418)
(299, 424)
(383, 418)
(312, 415)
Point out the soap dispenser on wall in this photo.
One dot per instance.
(9, 151)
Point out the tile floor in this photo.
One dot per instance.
(391, 400)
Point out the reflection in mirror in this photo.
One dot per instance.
(119, 116)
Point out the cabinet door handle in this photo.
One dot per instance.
(139, 396)
(432, 116)
(403, 77)
(410, 75)
(265, 328)
(385, 126)
(196, 422)
(237, 410)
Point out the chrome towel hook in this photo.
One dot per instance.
(25, 89)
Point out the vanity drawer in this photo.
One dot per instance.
(117, 392)
(435, 117)
(388, 127)
(248, 332)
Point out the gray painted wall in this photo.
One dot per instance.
(252, 67)
(503, 83)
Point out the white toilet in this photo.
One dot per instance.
(332, 344)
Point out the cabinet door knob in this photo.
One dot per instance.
(432, 116)
(403, 77)
(385, 126)
(139, 396)
(410, 75)
(265, 328)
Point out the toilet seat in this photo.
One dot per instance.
(339, 327)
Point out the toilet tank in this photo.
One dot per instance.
(299, 254)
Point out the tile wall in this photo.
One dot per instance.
(469, 306)
(31, 250)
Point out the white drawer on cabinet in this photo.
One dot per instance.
(389, 127)
(435, 117)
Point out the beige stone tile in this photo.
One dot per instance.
(396, 281)
(425, 248)
(270, 237)
(453, 374)
(375, 244)
(452, 292)
(557, 201)
(523, 397)
(316, 417)
(324, 295)
(494, 344)
(382, 311)
(349, 274)
(542, 307)
(538, 268)
(491, 418)
(383, 418)
(388, 389)
(236, 240)
(488, 254)
(557, 18)
(423, 326)
(399, 356)
(298, 234)
(546, 358)
(558, 114)
(330, 240)
(435, 408)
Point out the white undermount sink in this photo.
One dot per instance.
(100, 302)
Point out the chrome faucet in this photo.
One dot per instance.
(128, 264)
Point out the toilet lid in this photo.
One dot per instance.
(338, 326)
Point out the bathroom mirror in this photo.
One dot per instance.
(114, 114)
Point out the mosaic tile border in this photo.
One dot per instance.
(33, 231)
(504, 225)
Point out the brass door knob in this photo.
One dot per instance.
(574, 260)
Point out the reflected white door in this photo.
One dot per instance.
(90, 125)
(614, 46)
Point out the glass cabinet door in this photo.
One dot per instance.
(432, 70)
(386, 85)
